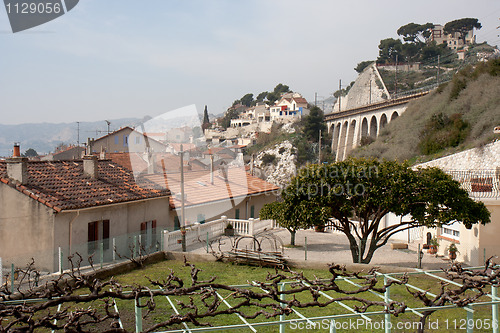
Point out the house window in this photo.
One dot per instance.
(177, 223)
(98, 231)
(451, 230)
(237, 213)
(252, 211)
(125, 140)
(148, 234)
(117, 140)
(137, 140)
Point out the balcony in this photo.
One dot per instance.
(479, 183)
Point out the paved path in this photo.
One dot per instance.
(331, 247)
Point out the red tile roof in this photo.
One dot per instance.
(137, 162)
(199, 190)
(62, 185)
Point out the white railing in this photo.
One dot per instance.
(172, 240)
(479, 183)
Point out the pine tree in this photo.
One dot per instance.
(206, 121)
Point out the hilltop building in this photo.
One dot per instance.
(453, 41)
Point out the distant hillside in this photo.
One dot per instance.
(458, 115)
(45, 137)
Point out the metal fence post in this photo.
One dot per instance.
(60, 260)
(419, 258)
(387, 299)
(207, 241)
(12, 270)
(470, 320)
(138, 316)
(282, 317)
(305, 248)
(101, 250)
(333, 329)
(165, 240)
(114, 249)
(494, 310)
(134, 247)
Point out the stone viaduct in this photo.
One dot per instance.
(349, 127)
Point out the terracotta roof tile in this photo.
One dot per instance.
(137, 162)
(199, 190)
(62, 185)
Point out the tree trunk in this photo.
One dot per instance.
(292, 237)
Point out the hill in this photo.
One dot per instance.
(458, 115)
(45, 137)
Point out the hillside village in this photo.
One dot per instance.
(156, 184)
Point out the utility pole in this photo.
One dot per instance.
(438, 72)
(396, 77)
(78, 133)
(183, 220)
(108, 123)
(319, 148)
(340, 93)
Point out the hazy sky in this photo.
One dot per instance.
(110, 59)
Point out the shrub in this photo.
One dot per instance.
(442, 132)
(268, 158)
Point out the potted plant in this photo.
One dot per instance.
(183, 233)
(452, 251)
(229, 230)
(433, 245)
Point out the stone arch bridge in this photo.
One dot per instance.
(349, 127)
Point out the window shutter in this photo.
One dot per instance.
(105, 229)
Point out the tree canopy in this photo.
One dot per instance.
(294, 215)
(313, 123)
(362, 65)
(389, 48)
(276, 93)
(30, 153)
(415, 33)
(358, 193)
(462, 27)
(206, 120)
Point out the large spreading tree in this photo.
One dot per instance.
(359, 193)
(462, 26)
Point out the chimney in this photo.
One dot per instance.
(17, 169)
(90, 166)
(102, 155)
(17, 150)
(211, 167)
(88, 150)
(151, 163)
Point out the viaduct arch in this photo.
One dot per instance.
(349, 127)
